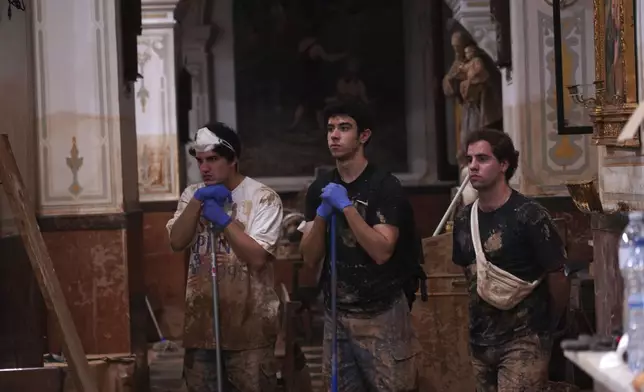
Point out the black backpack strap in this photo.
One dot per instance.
(417, 271)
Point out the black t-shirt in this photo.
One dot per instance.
(520, 238)
(363, 287)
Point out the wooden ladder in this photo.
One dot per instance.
(25, 219)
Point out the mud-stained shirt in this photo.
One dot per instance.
(520, 238)
(363, 286)
(248, 303)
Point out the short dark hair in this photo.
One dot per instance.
(358, 112)
(226, 133)
(502, 147)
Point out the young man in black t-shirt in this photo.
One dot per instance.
(510, 348)
(377, 347)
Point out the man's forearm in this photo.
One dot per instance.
(183, 229)
(374, 243)
(312, 244)
(559, 289)
(245, 247)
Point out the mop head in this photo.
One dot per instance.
(165, 346)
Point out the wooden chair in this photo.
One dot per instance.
(285, 344)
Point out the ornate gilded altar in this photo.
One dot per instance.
(615, 70)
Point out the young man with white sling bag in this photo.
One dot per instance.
(514, 259)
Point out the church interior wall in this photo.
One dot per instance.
(65, 107)
(102, 247)
(22, 308)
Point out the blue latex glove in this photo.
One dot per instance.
(216, 214)
(218, 193)
(336, 195)
(324, 210)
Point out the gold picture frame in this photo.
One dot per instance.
(615, 70)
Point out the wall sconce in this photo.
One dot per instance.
(589, 103)
(599, 100)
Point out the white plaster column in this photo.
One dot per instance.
(156, 104)
(548, 160)
(85, 117)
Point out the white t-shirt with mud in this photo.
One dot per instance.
(248, 303)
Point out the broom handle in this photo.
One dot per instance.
(215, 310)
(451, 206)
(154, 319)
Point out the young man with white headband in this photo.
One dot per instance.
(246, 216)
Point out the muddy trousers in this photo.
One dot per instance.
(377, 354)
(243, 371)
(520, 365)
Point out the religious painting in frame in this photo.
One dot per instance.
(615, 69)
(295, 58)
(615, 60)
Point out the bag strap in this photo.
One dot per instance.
(481, 261)
(327, 176)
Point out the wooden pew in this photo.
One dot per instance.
(442, 323)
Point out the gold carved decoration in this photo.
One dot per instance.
(608, 123)
(615, 70)
(585, 196)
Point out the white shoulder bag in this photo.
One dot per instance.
(497, 287)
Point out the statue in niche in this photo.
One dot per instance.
(475, 84)
(469, 80)
(482, 107)
(455, 75)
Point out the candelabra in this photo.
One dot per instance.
(600, 99)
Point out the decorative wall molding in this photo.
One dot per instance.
(155, 104)
(547, 160)
(158, 13)
(475, 17)
(78, 96)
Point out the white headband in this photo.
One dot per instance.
(206, 140)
